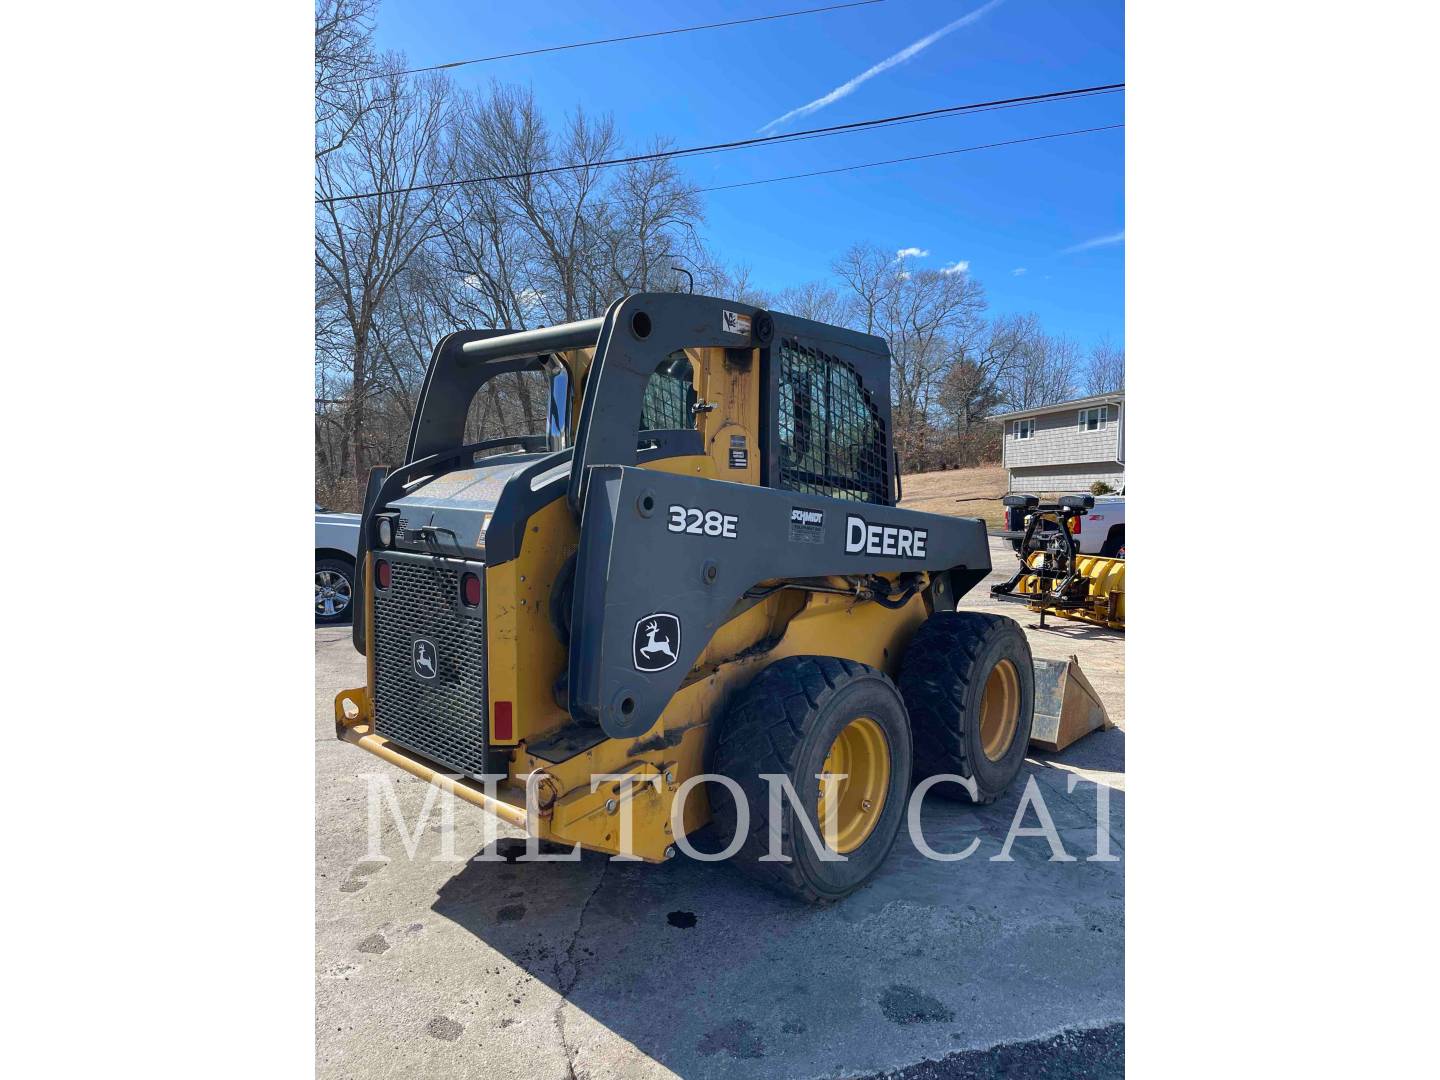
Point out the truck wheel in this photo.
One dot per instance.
(334, 590)
(800, 717)
(968, 681)
(1114, 542)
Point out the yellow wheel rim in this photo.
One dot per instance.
(999, 710)
(848, 808)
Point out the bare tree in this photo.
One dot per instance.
(1045, 373)
(818, 301)
(869, 273)
(363, 245)
(344, 62)
(1105, 374)
(975, 384)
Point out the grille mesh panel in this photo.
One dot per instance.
(443, 718)
(832, 441)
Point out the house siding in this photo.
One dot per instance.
(1058, 440)
(1066, 478)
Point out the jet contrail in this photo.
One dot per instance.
(884, 65)
(1099, 241)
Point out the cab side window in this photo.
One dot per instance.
(832, 441)
(670, 395)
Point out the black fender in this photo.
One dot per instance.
(634, 566)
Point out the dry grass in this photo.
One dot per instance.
(941, 492)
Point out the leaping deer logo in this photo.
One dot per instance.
(423, 659)
(656, 645)
(657, 642)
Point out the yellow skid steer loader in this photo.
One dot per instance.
(693, 589)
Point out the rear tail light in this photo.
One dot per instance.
(382, 574)
(504, 721)
(470, 590)
(1075, 525)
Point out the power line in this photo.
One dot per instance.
(616, 40)
(886, 121)
(822, 133)
(913, 157)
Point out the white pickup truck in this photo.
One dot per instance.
(1100, 532)
(336, 537)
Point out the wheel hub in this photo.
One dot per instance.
(332, 593)
(849, 807)
(999, 710)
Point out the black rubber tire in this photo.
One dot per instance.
(785, 722)
(942, 680)
(1114, 542)
(346, 569)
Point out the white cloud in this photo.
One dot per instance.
(1018, 271)
(911, 253)
(844, 89)
(959, 266)
(1099, 241)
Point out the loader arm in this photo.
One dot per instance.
(664, 559)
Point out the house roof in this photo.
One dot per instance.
(1062, 406)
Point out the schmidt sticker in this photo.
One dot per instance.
(864, 538)
(807, 526)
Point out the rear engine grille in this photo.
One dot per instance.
(443, 718)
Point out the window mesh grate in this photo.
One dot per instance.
(669, 394)
(832, 441)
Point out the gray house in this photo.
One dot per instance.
(1066, 447)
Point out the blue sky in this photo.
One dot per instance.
(1055, 208)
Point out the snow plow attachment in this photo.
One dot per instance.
(1053, 577)
(1066, 705)
(1101, 600)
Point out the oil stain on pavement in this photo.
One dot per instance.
(737, 1038)
(907, 1005)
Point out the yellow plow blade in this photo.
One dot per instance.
(1106, 605)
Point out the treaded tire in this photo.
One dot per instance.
(785, 722)
(942, 679)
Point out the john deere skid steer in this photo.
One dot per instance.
(698, 569)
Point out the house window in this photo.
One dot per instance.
(1024, 429)
(1094, 419)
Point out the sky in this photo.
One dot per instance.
(1040, 225)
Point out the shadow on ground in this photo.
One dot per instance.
(711, 975)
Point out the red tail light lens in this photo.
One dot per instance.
(382, 574)
(504, 721)
(1075, 525)
(470, 591)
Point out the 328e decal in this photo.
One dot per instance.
(689, 519)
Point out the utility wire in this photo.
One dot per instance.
(949, 110)
(823, 133)
(913, 157)
(616, 40)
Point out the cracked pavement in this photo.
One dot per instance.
(594, 969)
